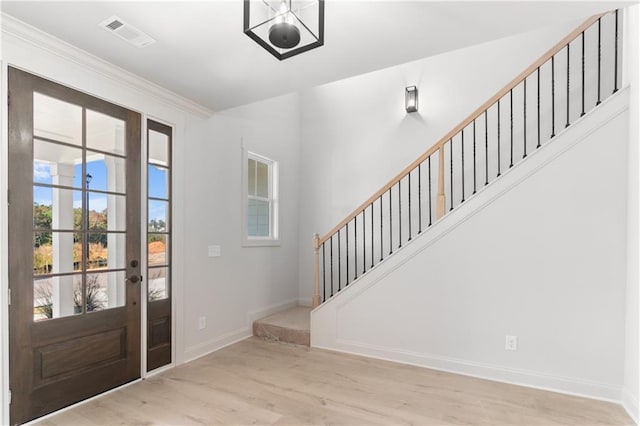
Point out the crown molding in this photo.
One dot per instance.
(40, 39)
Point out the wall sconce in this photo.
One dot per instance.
(411, 99)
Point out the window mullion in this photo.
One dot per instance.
(260, 231)
(255, 176)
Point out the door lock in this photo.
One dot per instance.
(134, 279)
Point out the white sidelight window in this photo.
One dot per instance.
(260, 201)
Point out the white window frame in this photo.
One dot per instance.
(273, 238)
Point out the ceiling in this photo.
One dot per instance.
(202, 54)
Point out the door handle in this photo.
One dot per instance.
(134, 279)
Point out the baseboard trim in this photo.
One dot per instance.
(325, 329)
(303, 301)
(630, 404)
(496, 373)
(198, 351)
(269, 310)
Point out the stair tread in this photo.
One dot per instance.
(297, 318)
(291, 326)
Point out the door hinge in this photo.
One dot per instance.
(9, 295)
(8, 197)
(9, 396)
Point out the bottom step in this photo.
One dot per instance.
(290, 326)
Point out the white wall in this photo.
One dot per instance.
(245, 282)
(31, 50)
(206, 189)
(414, 213)
(336, 145)
(540, 254)
(355, 134)
(631, 394)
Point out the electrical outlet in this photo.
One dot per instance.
(202, 323)
(511, 343)
(214, 251)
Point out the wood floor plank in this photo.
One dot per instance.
(270, 383)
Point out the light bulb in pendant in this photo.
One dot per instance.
(284, 33)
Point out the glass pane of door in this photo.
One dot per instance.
(105, 133)
(158, 284)
(57, 120)
(79, 186)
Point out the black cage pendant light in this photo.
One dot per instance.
(285, 28)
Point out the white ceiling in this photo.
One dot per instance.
(202, 54)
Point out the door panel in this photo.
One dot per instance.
(74, 318)
(69, 357)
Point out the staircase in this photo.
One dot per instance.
(572, 78)
(289, 326)
(512, 224)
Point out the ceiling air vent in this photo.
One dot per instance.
(128, 33)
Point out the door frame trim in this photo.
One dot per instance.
(4, 245)
(176, 270)
(50, 58)
(144, 255)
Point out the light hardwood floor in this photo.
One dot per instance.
(260, 382)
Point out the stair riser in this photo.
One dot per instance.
(281, 334)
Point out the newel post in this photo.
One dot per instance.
(316, 278)
(441, 201)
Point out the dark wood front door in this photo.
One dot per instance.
(74, 245)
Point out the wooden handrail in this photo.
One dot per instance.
(316, 278)
(464, 123)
